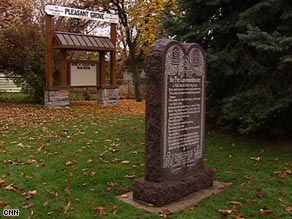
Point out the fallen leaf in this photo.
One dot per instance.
(234, 203)
(244, 185)
(250, 179)
(165, 211)
(130, 176)
(225, 212)
(260, 194)
(125, 162)
(2, 181)
(113, 149)
(54, 194)
(251, 201)
(195, 206)
(30, 194)
(256, 158)
(115, 209)
(89, 173)
(68, 163)
(288, 209)
(20, 145)
(13, 162)
(225, 186)
(32, 161)
(68, 190)
(235, 211)
(5, 175)
(46, 204)
(31, 214)
(133, 152)
(289, 172)
(281, 174)
(265, 212)
(28, 206)
(11, 187)
(99, 208)
(125, 195)
(33, 193)
(68, 207)
(2, 204)
(113, 184)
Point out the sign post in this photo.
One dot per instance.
(55, 10)
(49, 51)
(58, 96)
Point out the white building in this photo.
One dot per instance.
(7, 85)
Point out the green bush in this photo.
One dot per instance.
(22, 53)
(248, 45)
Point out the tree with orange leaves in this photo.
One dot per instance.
(15, 12)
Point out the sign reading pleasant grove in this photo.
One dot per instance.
(80, 13)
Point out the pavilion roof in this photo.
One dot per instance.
(74, 41)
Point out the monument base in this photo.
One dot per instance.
(55, 98)
(108, 96)
(188, 203)
(162, 193)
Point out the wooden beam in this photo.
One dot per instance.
(64, 68)
(113, 57)
(102, 70)
(49, 51)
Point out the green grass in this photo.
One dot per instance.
(77, 160)
(15, 97)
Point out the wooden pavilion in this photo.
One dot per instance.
(58, 95)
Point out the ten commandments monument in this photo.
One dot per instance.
(175, 124)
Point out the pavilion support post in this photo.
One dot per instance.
(49, 51)
(54, 97)
(108, 95)
(113, 60)
(64, 68)
(102, 72)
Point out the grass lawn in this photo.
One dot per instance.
(72, 163)
(15, 97)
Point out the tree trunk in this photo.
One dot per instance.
(137, 83)
(136, 75)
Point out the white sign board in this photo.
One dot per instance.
(83, 73)
(80, 13)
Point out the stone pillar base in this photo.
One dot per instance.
(108, 96)
(162, 193)
(56, 99)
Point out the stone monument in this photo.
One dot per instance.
(175, 124)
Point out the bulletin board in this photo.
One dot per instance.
(83, 73)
